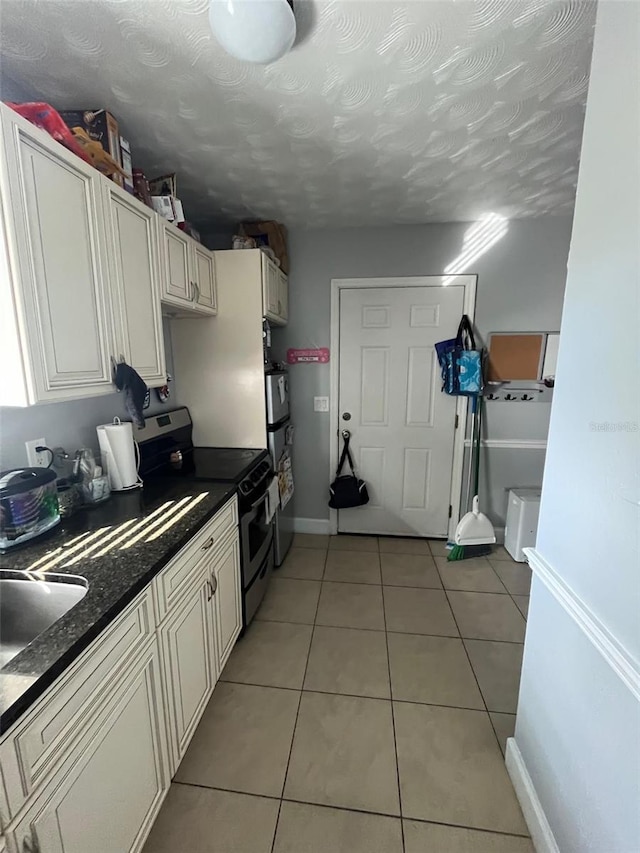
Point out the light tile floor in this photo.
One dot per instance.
(365, 711)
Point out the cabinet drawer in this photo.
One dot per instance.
(170, 583)
(52, 727)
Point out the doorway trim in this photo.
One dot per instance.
(469, 282)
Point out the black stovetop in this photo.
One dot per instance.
(223, 464)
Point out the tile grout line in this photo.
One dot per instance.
(380, 630)
(295, 725)
(484, 701)
(346, 809)
(368, 696)
(393, 723)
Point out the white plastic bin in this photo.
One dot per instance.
(522, 521)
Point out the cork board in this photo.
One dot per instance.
(515, 357)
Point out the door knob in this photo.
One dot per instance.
(346, 416)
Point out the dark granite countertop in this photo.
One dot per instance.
(90, 544)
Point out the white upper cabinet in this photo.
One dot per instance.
(269, 288)
(189, 273)
(205, 278)
(275, 292)
(55, 299)
(135, 281)
(283, 297)
(175, 248)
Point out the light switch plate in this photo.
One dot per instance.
(320, 404)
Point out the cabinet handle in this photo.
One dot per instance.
(30, 843)
(208, 544)
(209, 590)
(214, 585)
(196, 288)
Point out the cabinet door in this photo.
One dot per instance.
(269, 288)
(189, 664)
(177, 287)
(204, 279)
(228, 605)
(135, 283)
(107, 800)
(283, 297)
(56, 222)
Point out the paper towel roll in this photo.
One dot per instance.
(118, 451)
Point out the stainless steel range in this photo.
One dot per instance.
(166, 450)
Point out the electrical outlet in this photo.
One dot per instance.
(35, 459)
(320, 404)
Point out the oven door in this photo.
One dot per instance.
(256, 539)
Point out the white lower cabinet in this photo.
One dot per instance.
(198, 636)
(226, 599)
(87, 769)
(188, 648)
(107, 800)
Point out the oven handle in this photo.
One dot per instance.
(261, 500)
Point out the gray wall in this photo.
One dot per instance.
(69, 425)
(578, 723)
(520, 288)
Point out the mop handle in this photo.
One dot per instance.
(476, 473)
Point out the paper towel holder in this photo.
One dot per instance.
(115, 463)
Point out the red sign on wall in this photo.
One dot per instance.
(313, 356)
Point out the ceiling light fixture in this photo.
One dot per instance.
(478, 239)
(259, 31)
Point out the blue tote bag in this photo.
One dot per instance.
(461, 362)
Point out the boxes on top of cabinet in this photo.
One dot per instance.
(102, 127)
(271, 234)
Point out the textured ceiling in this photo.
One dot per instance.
(384, 112)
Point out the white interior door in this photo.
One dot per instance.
(402, 427)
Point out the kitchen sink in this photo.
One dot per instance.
(29, 605)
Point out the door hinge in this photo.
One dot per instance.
(457, 421)
(450, 510)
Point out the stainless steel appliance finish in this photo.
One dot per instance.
(283, 532)
(277, 394)
(166, 450)
(29, 605)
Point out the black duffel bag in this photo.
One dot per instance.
(347, 490)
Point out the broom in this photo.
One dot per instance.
(474, 534)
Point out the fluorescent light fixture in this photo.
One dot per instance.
(478, 239)
(258, 31)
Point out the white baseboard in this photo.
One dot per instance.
(541, 834)
(323, 526)
(512, 443)
(311, 525)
